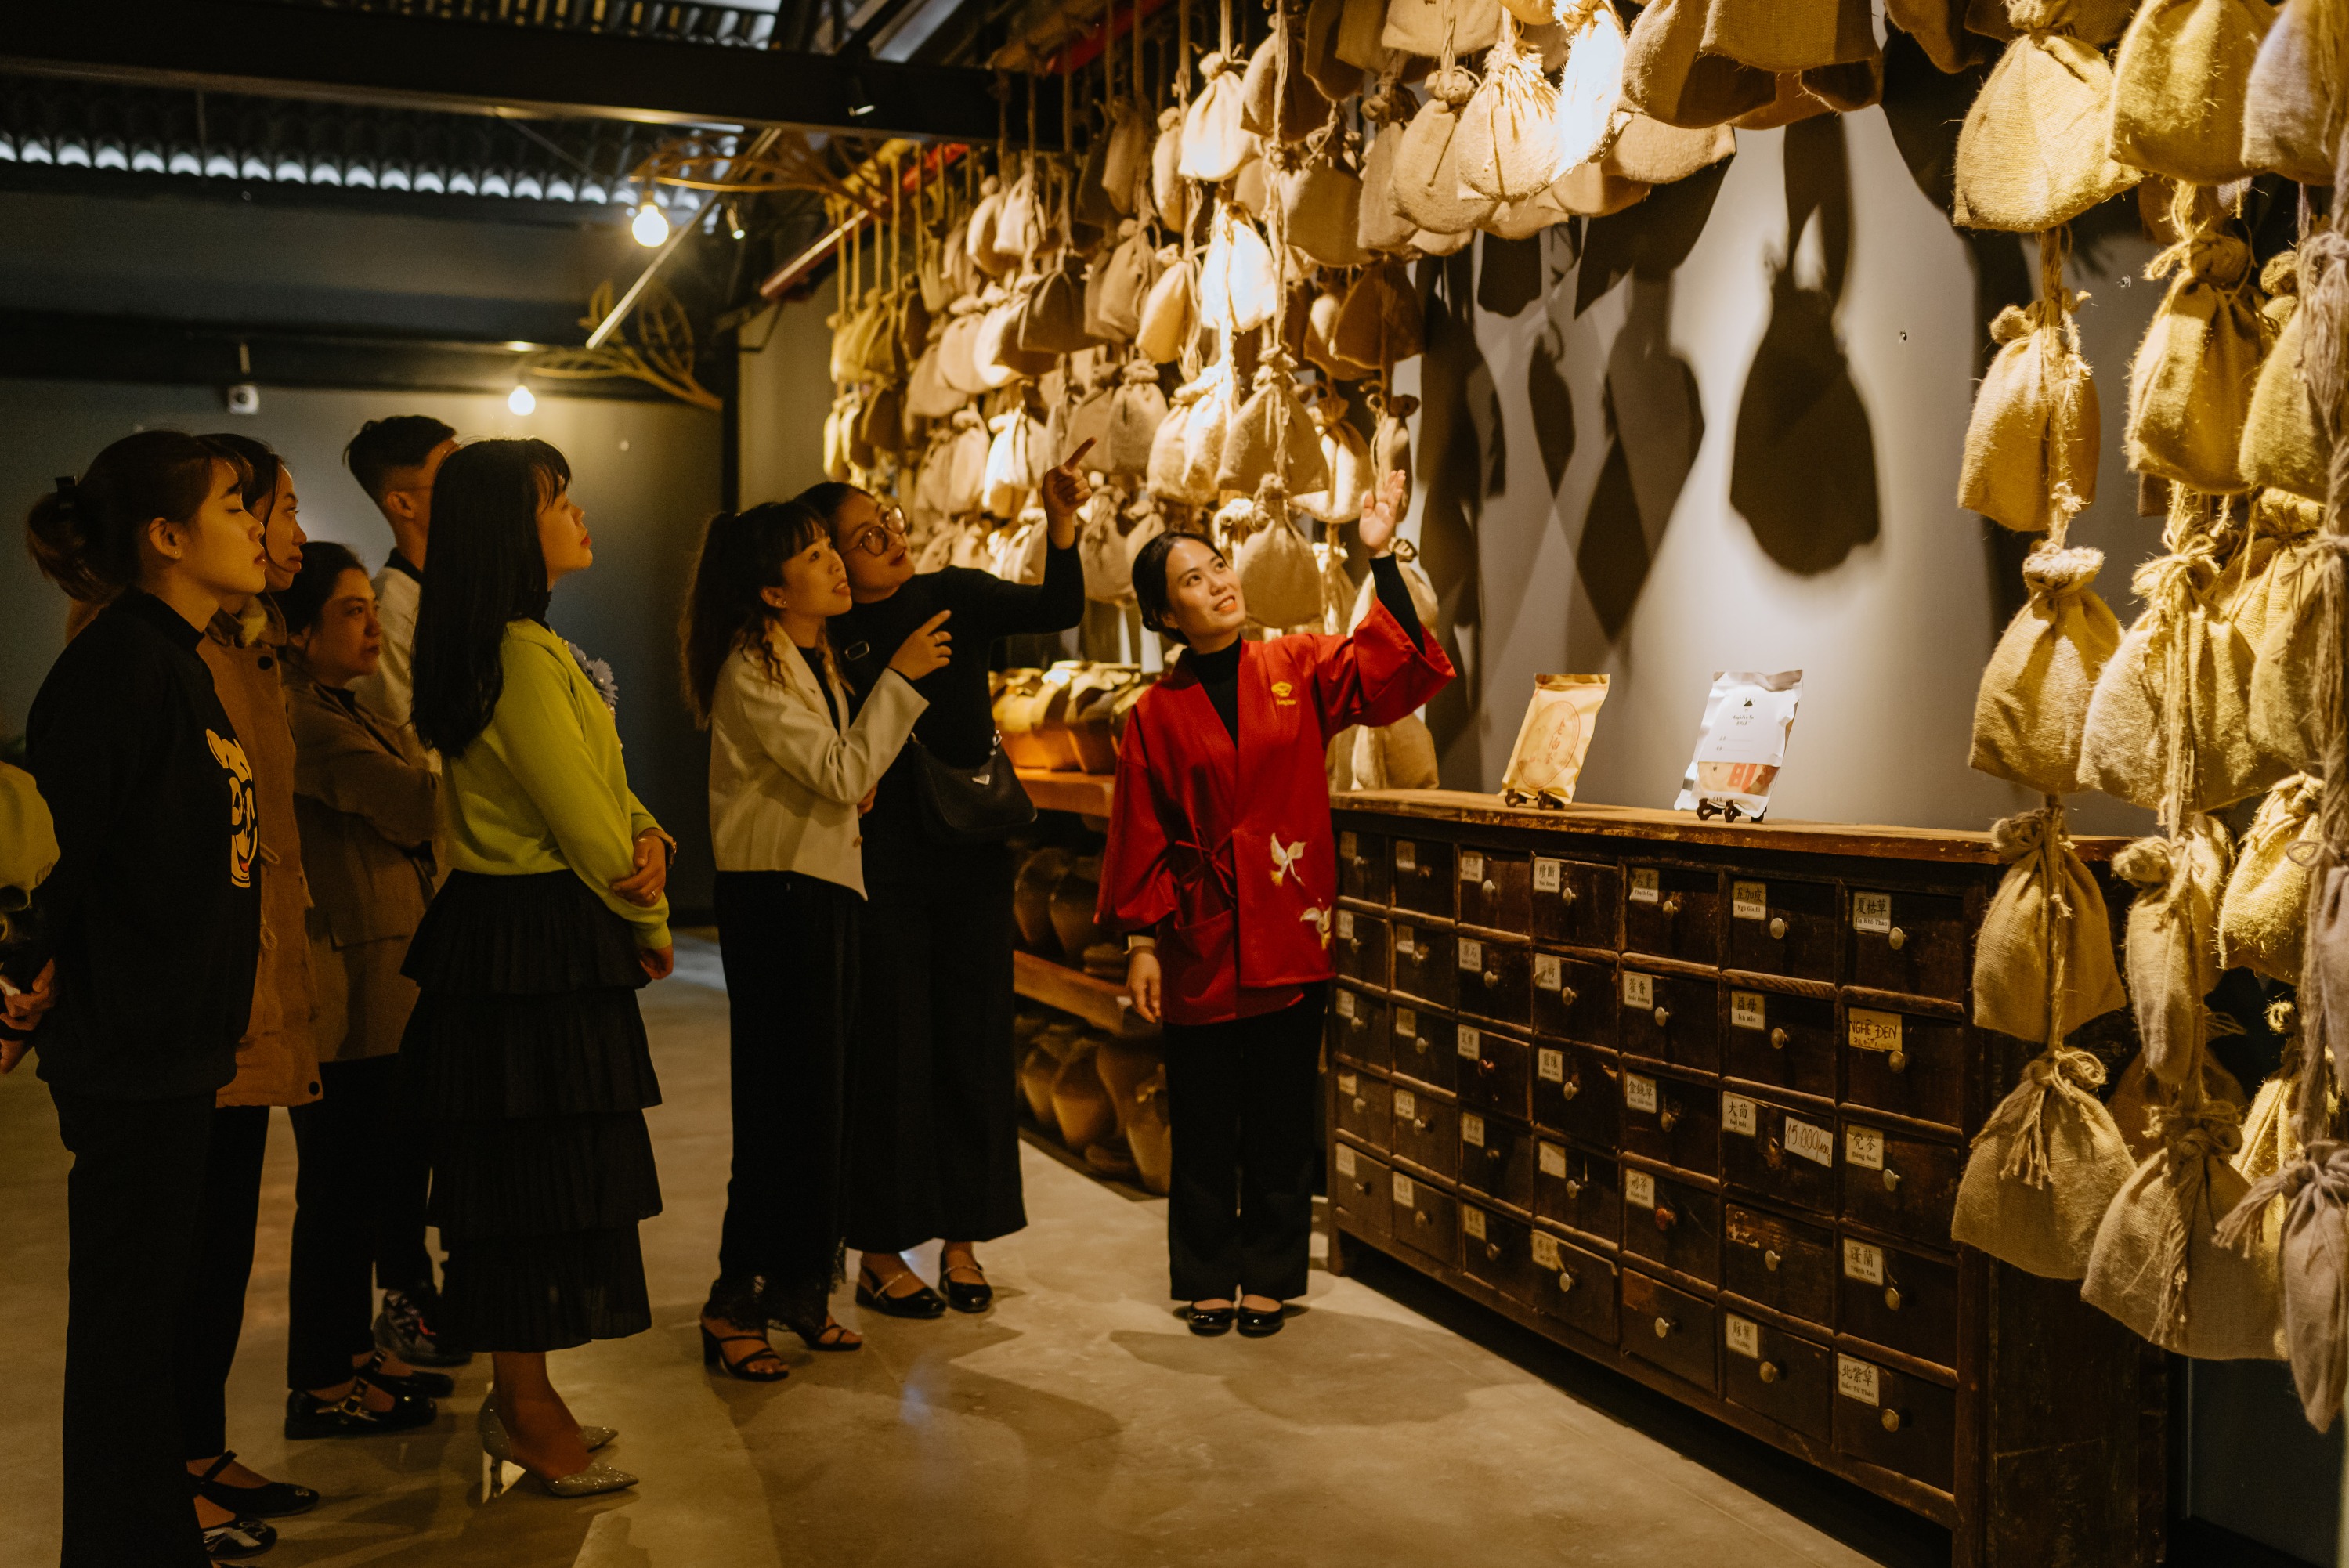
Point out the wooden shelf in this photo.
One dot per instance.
(1085, 793)
(1100, 1003)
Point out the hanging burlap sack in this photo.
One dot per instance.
(1435, 29)
(1279, 578)
(2312, 1261)
(1054, 321)
(2190, 385)
(2265, 907)
(1022, 225)
(1507, 137)
(1414, 580)
(1301, 108)
(1126, 274)
(1391, 443)
(1100, 550)
(1425, 183)
(964, 489)
(2139, 1094)
(836, 439)
(1125, 169)
(881, 419)
(1939, 28)
(1591, 191)
(1590, 112)
(1649, 153)
(2258, 583)
(1137, 408)
(2158, 1265)
(1213, 141)
(1398, 756)
(1169, 193)
(1237, 290)
(2047, 904)
(1668, 76)
(927, 394)
(2033, 441)
(1272, 436)
(1089, 420)
(1205, 432)
(2172, 945)
(2291, 103)
(1337, 78)
(2044, 1168)
(2033, 152)
(1348, 458)
(2283, 447)
(1379, 323)
(2290, 660)
(1251, 188)
(1314, 345)
(2271, 1136)
(1427, 243)
(958, 365)
(2179, 85)
(1790, 35)
(1380, 225)
(1321, 212)
(978, 233)
(1167, 473)
(1169, 311)
(2033, 704)
(1011, 462)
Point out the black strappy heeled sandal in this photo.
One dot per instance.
(713, 1354)
(271, 1499)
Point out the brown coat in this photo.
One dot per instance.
(368, 804)
(277, 1061)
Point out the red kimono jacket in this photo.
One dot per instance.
(1225, 852)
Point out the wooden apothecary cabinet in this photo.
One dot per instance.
(1693, 1098)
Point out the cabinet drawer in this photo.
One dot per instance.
(1426, 1132)
(1672, 1224)
(1783, 1263)
(1498, 1158)
(1358, 1027)
(1578, 903)
(1906, 1064)
(1903, 1299)
(1422, 877)
(1425, 1219)
(1786, 1042)
(1901, 1423)
(1574, 999)
(1491, 1070)
(1674, 1120)
(1671, 1019)
(1669, 1328)
(1581, 1191)
(1365, 1107)
(1422, 963)
(1785, 1155)
(1422, 1045)
(1779, 1375)
(1362, 1191)
(1914, 941)
(1784, 926)
(1672, 910)
(1495, 979)
(1497, 1251)
(1496, 890)
(1573, 1285)
(1362, 868)
(1900, 1184)
(1358, 951)
(1575, 1091)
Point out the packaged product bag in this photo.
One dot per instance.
(2292, 99)
(2190, 385)
(2283, 447)
(1668, 76)
(1547, 761)
(2033, 704)
(2172, 945)
(1424, 184)
(1279, 576)
(1271, 435)
(2179, 85)
(1790, 35)
(2265, 907)
(1590, 113)
(2033, 153)
(2032, 443)
(1136, 411)
(1215, 144)
(1748, 716)
(1439, 29)
(2044, 1170)
(2046, 932)
(1508, 129)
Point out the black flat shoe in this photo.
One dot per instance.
(1254, 1325)
(418, 1383)
(965, 1297)
(745, 1366)
(922, 1302)
(238, 1537)
(272, 1499)
(1207, 1321)
(308, 1416)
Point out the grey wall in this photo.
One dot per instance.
(785, 390)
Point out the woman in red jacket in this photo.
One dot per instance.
(1221, 864)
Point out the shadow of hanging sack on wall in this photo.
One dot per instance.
(1803, 465)
(1655, 425)
(1459, 455)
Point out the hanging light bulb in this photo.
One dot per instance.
(734, 222)
(521, 400)
(650, 225)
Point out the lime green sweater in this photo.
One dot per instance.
(29, 842)
(543, 787)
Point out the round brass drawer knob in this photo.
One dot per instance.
(1492, 978)
(1892, 1298)
(1488, 1064)
(1889, 1420)
(1361, 1104)
(1358, 1023)
(1671, 906)
(1897, 1061)
(1668, 1116)
(1419, 1043)
(1663, 1017)
(1768, 1372)
(1354, 944)
(1573, 1187)
(1896, 939)
(1565, 894)
(1363, 1188)
(1489, 888)
(1777, 1039)
(1565, 1279)
(1664, 1326)
(1496, 1153)
(1420, 1217)
(1771, 1260)
(1892, 1181)
(1778, 928)
(1420, 1123)
(1492, 1253)
(1567, 996)
(1665, 1218)
(1570, 1088)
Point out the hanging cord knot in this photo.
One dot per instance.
(2320, 1174)
(2051, 570)
(2064, 1071)
(2192, 1134)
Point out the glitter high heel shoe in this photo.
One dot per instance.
(497, 1452)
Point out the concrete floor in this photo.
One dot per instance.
(1077, 1424)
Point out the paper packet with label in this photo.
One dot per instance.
(1546, 762)
(1747, 716)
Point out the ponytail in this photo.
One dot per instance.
(742, 553)
(85, 534)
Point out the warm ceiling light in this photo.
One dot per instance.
(521, 401)
(650, 226)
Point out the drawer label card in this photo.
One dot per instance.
(1857, 1380)
(1737, 1114)
(1406, 855)
(1406, 1021)
(1345, 1004)
(1347, 846)
(1639, 1093)
(1471, 953)
(1346, 926)
(1472, 1129)
(1863, 1262)
(1349, 1086)
(1402, 1188)
(1870, 1030)
(1812, 1143)
(1749, 901)
(1546, 1251)
(1863, 1146)
(1406, 1104)
(1406, 941)
(1345, 1161)
(1473, 1222)
(1472, 866)
(1548, 876)
(1471, 1043)
(1549, 1065)
(1550, 974)
(1746, 1010)
(1745, 1336)
(1872, 913)
(1553, 1160)
(1647, 885)
(1639, 990)
(1638, 1188)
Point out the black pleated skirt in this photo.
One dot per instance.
(526, 1058)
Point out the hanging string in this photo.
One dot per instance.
(1182, 53)
(1225, 34)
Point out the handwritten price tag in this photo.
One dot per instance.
(1816, 1144)
(1870, 1030)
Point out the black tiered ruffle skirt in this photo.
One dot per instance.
(526, 1058)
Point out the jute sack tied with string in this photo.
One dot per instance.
(2271, 1128)
(2264, 911)
(1101, 548)
(1780, 35)
(1237, 289)
(1207, 430)
(1337, 78)
(1348, 458)
(1507, 137)
(2313, 1259)
(1127, 273)
(2046, 932)
(1170, 310)
(1136, 411)
(1012, 466)
(2178, 87)
(964, 461)
(1398, 756)
(2293, 657)
(1668, 76)
(2172, 945)
(2032, 154)
(2033, 440)
(1380, 325)
(2044, 1170)
(1272, 436)
(2191, 384)
(1213, 141)
(1939, 28)
(1646, 151)
(2292, 100)
(1391, 452)
(2283, 447)
(2139, 1095)
(1278, 574)
(1278, 102)
(1380, 225)
(1425, 183)
(1167, 473)
(1590, 113)
(1360, 38)
(2033, 704)
(1321, 211)
(1170, 193)
(1435, 28)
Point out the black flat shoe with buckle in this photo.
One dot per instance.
(308, 1416)
(271, 1499)
(921, 1302)
(1207, 1321)
(962, 1294)
(1254, 1325)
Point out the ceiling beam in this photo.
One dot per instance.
(420, 62)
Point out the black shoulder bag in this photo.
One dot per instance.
(982, 805)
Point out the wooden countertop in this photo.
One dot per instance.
(1934, 844)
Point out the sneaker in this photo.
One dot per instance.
(405, 1328)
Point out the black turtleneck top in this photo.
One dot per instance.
(1219, 673)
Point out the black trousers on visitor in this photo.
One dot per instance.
(131, 1205)
(357, 1203)
(213, 1308)
(789, 944)
(1241, 1099)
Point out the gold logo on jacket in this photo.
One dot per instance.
(1281, 691)
(243, 819)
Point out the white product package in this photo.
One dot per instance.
(1747, 717)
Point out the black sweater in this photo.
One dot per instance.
(1219, 673)
(154, 906)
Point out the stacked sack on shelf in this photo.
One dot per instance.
(2211, 1228)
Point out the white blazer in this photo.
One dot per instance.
(783, 783)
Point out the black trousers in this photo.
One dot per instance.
(132, 1205)
(789, 944)
(403, 1185)
(934, 1142)
(355, 1205)
(1241, 1098)
(218, 1266)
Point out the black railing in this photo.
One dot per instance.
(667, 20)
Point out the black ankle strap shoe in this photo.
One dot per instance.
(306, 1415)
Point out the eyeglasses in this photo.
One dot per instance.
(879, 538)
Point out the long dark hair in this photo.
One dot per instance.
(827, 498)
(304, 599)
(84, 534)
(1150, 582)
(262, 465)
(487, 571)
(742, 552)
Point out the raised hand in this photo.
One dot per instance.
(1064, 490)
(924, 649)
(1381, 513)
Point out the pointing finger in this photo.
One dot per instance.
(1070, 462)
